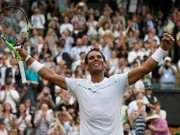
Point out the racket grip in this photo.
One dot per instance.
(21, 67)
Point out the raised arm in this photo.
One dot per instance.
(134, 75)
(43, 71)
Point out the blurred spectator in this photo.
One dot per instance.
(133, 105)
(113, 60)
(43, 119)
(54, 24)
(51, 10)
(48, 61)
(52, 39)
(92, 25)
(79, 18)
(69, 41)
(9, 95)
(150, 97)
(107, 45)
(147, 131)
(66, 26)
(136, 55)
(8, 116)
(158, 110)
(77, 49)
(168, 73)
(104, 29)
(77, 32)
(169, 25)
(45, 96)
(158, 125)
(137, 119)
(105, 16)
(38, 21)
(62, 55)
(45, 50)
(62, 5)
(120, 68)
(34, 37)
(148, 23)
(65, 118)
(127, 128)
(24, 121)
(3, 129)
(57, 129)
(38, 45)
(151, 35)
(4, 68)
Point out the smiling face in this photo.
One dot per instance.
(95, 62)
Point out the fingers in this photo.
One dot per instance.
(168, 38)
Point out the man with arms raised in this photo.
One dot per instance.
(100, 99)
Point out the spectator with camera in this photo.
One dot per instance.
(45, 96)
(168, 73)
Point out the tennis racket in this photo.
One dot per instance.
(14, 30)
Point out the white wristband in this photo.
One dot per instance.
(36, 66)
(159, 54)
(27, 58)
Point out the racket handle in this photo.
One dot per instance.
(21, 67)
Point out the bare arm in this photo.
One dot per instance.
(137, 73)
(45, 72)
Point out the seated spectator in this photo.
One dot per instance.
(168, 73)
(158, 125)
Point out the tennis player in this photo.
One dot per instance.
(100, 99)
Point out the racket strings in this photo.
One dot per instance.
(13, 25)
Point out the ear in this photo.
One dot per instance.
(105, 65)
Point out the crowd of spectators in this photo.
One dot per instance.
(62, 32)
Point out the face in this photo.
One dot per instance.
(96, 64)
(28, 103)
(7, 107)
(44, 107)
(22, 108)
(147, 132)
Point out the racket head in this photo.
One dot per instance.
(14, 26)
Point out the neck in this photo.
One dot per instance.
(21, 113)
(96, 78)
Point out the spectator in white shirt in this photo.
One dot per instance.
(66, 25)
(38, 21)
(75, 51)
(136, 54)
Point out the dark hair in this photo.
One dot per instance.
(94, 49)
